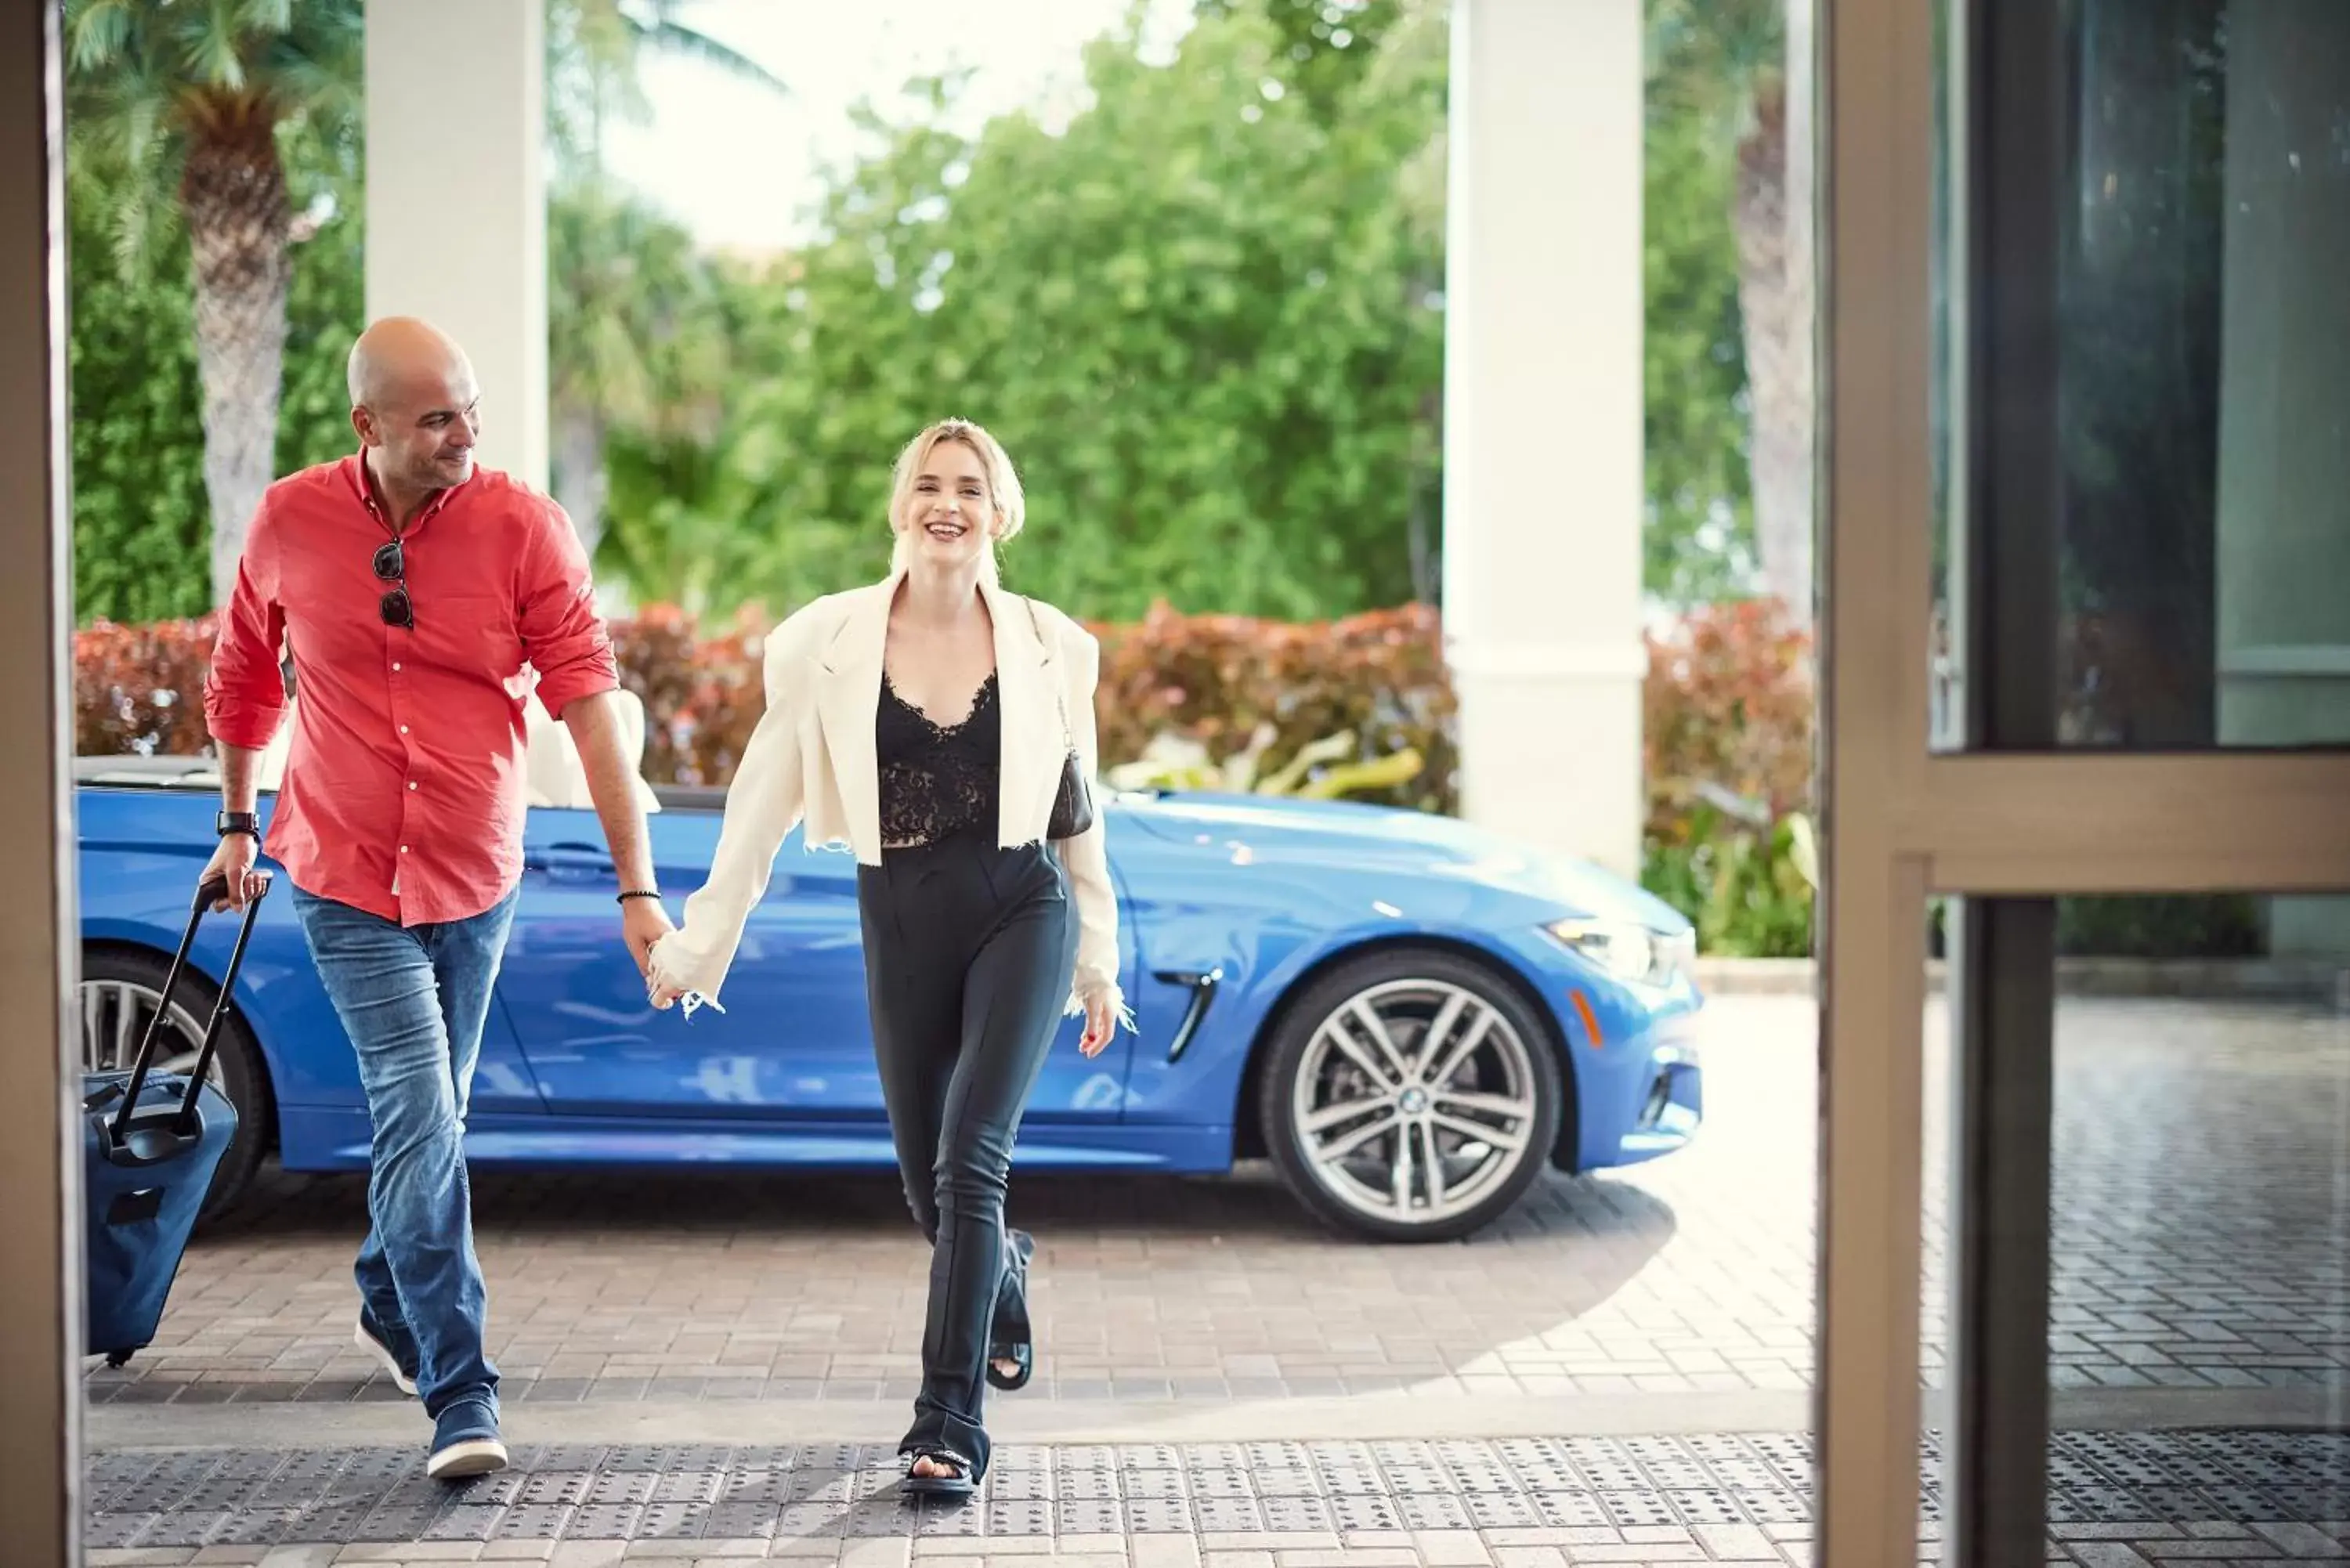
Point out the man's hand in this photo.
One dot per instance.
(233, 863)
(643, 921)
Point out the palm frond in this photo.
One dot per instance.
(324, 77)
(118, 122)
(144, 216)
(672, 37)
(98, 32)
(267, 15)
(209, 48)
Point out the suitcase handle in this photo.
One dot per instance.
(209, 891)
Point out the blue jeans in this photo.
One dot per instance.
(413, 1000)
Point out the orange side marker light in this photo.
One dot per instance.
(1590, 1019)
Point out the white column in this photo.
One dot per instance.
(1543, 490)
(456, 198)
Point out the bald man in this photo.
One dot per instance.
(412, 586)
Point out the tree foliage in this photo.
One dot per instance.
(1699, 541)
(1324, 44)
(142, 520)
(1199, 316)
(184, 121)
(629, 346)
(1206, 315)
(593, 50)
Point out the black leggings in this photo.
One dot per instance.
(969, 950)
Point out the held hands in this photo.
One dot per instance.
(643, 931)
(643, 923)
(648, 922)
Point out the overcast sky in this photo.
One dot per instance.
(741, 166)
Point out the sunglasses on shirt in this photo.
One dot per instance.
(392, 566)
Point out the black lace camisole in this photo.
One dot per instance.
(937, 780)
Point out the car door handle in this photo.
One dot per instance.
(570, 863)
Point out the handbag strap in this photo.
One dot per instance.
(1060, 697)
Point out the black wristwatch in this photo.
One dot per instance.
(243, 822)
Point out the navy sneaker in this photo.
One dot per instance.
(393, 1349)
(466, 1441)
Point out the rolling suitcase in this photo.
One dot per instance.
(150, 1145)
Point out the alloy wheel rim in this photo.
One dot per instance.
(114, 1018)
(1416, 1100)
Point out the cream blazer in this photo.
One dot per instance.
(812, 756)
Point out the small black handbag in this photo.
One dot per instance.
(1073, 802)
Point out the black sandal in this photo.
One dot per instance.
(959, 1485)
(1010, 1338)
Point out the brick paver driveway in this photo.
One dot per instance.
(1693, 1273)
(707, 1328)
(2201, 1216)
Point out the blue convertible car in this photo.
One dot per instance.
(1410, 1016)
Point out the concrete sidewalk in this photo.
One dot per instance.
(2116, 1500)
(2198, 1248)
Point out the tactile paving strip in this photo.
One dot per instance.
(841, 1491)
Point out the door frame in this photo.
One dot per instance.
(40, 1225)
(2006, 832)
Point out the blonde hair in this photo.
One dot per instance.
(1004, 492)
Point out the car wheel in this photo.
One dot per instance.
(1410, 1096)
(121, 990)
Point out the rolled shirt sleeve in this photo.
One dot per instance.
(244, 688)
(562, 634)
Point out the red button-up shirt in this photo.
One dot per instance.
(403, 788)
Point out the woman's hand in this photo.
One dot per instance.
(662, 994)
(1099, 1025)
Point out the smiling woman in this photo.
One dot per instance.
(982, 885)
(945, 480)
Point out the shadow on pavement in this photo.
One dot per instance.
(1249, 1205)
(731, 1284)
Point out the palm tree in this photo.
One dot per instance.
(635, 341)
(1730, 63)
(180, 114)
(633, 345)
(593, 50)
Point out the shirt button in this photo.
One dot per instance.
(411, 783)
(403, 729)
(404, 849)
(395, 664)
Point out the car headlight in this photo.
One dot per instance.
(1630, 952)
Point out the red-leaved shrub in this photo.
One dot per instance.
(1728, 712)
(1727, 704)
(140, 689)
(1212, 679)
(1215, 677)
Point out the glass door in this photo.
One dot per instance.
(2089, 673)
